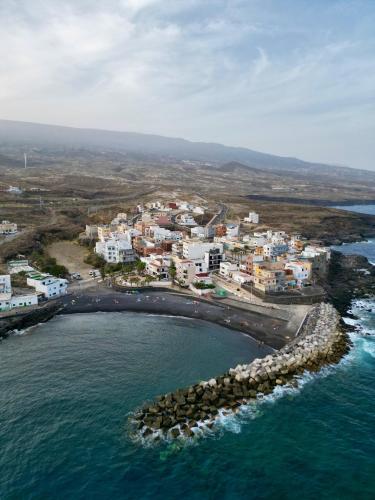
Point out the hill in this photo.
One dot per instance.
(154, 146)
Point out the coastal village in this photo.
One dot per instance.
(171, 244)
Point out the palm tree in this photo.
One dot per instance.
(136, 280)
(148, 279)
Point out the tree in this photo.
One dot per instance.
(148, 279)
(172, 271)
(140, 266)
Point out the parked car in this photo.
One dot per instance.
(95, 273)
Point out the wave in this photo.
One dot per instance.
(25, 331)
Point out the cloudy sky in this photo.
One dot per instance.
(290, 77)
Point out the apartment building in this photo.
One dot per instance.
(185, 271)
(115, 251)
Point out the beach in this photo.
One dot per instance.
(274, 331)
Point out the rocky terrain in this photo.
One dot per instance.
(350, 277)
(187, 412)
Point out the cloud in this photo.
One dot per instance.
(256, 74)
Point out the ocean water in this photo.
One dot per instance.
(362, 209)
(67, 386)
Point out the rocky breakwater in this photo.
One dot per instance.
(186, 412)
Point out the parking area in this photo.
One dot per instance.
(72, 256)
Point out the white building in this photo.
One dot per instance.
(198, 210)
(253, 218)
(17, 266)
(5, 284)
(198, 232)
(14, 190)
(48, 285)
(160, 234)
(207, 256)
(10, 300)
(115, 251)
(240, 277)
(121, 218)
(227, 269)
(187, 220)
(233, 230)
(301, 270)
(271, 250)
(8, 228)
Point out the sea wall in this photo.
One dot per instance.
(322, 341)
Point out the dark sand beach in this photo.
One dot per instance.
(271, 331)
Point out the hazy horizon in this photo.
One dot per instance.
(290, 79)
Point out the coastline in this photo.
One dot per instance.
(271, 331)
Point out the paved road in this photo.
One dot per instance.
(219, 217)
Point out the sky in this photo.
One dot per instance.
(288, 77)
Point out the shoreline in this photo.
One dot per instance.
(271, 331)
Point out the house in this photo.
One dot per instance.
(163, 221)
(220, 230)
(227, 269)
(160, 234)
(5, 284)
(8, 228)
(10, 299)
(318, 256)
(271, 250)
(121, 218)
(250, 260)
(301, 271)
(104, 232)
(185, 271)
(268, 280)
(187, 220)
(18, 266)
(158, 267)
(240, 277)
(91, 231)
(198, 210)
(14, 190)
(198, 232)
(253, 218)
(232, 230)
(47, 285)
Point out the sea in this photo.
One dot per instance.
(67, 388)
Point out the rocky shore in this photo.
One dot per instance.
(185, 412)
(22, 320)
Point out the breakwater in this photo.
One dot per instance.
(322, 341)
